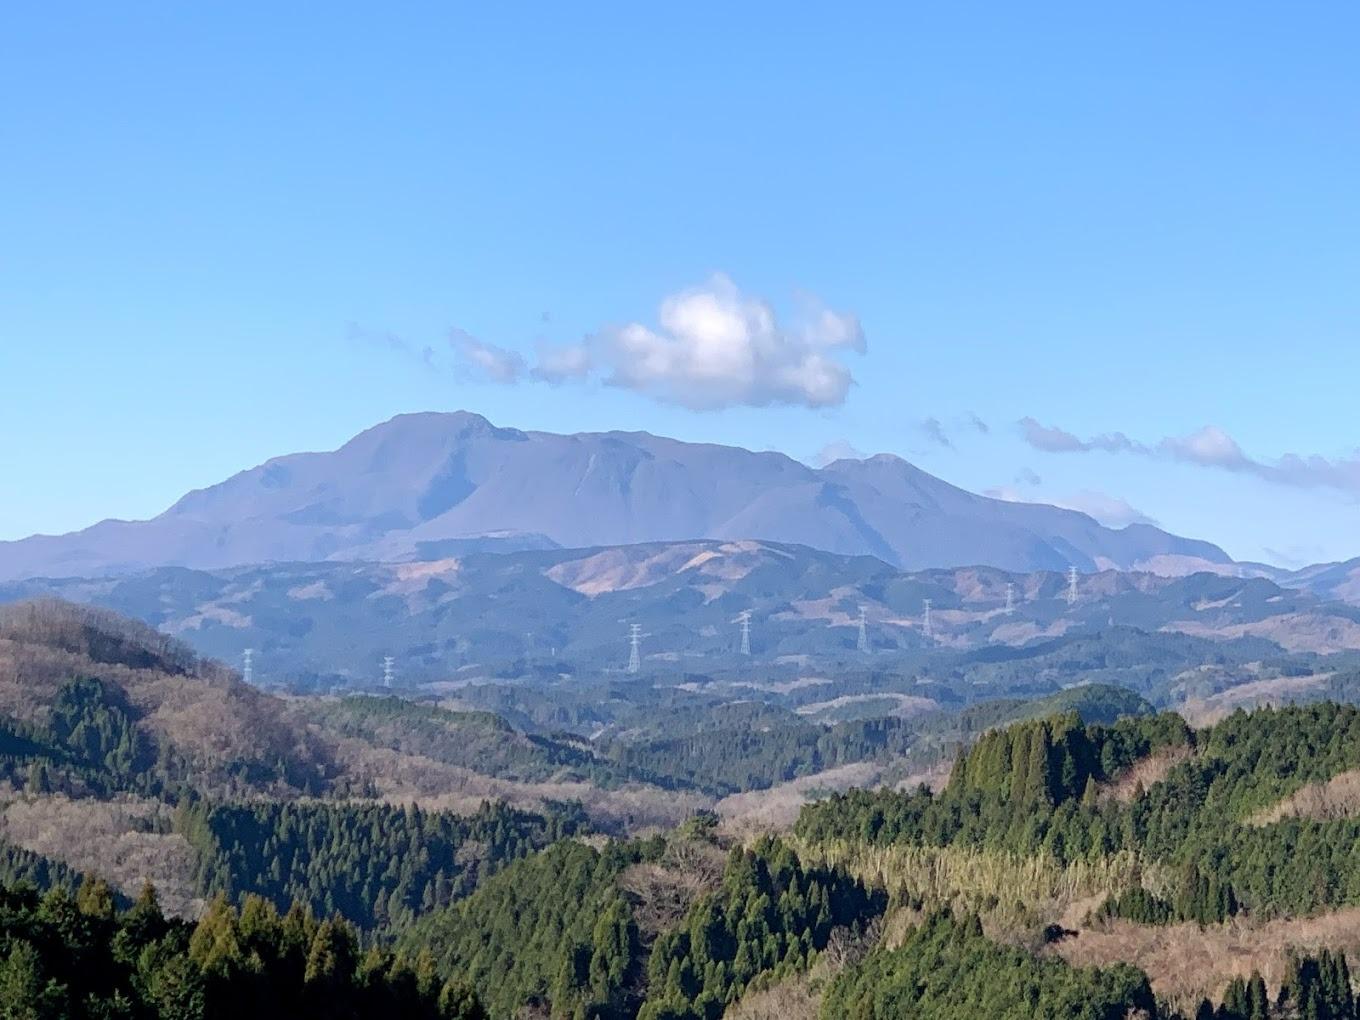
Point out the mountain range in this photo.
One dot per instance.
(427, 486)
(549, 611)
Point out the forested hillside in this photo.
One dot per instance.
(1073, 849)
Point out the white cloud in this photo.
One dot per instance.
(562, 364)
(1111, 511)
(481, 359)
(716, 347)
(1210, 447)
(839, 449)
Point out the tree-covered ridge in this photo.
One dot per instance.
(90, 743)
(1035, 788)
(947, 970)
(553, 930)
(19, 866)
(78, 957)
(377, 865)
(770, 917)
(1005, 792)
(741, 756)
(480, 741)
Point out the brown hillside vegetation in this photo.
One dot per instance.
(127, 841)
(1338, 797)
(198, 709)
(1187, 962)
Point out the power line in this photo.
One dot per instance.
(925, 623)
(387, 672)
(745, 632)
(247, 669)
(1071, 586)
(863, 643)
(1010, 597)
(634, 647)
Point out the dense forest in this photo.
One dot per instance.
(947, 970)
(1036, 787)
(313, 892)
(377, 865)
(67, 956)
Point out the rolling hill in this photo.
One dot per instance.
(427, 486)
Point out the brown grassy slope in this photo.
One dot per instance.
(1338, 797)
(196, 709)
(127, 840)
(1187, 963)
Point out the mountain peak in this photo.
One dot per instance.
(420, 483)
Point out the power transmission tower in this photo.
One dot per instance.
(746, 632)
(863, 643)
(634, 647)
(1071, 586)
(925, 623)
(247, 669)
(387, 672)
(1010, 597)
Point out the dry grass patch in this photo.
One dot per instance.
(663, 891)
(1187, 963)
(1015, 895)
(1338, 797)
(776, 809)
(1201, 712)
(410, 778)
(1145, 772)
(127, 841)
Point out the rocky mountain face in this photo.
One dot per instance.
(429, 486)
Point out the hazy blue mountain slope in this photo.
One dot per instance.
(568, 610)
(427, 485)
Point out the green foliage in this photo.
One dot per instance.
(553, 929)
(741, 755)
(91, 744)
(65, 957)
(1314, 988)
(1016, 789)
(19, 866)
(1021, 790)
(770, 917)
(947, 970)
(375, 864)
(1198, 897)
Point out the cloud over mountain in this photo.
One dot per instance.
(713, 346)
(1210, 447)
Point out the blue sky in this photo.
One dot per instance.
(228, 233)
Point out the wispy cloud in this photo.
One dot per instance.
(1210, 447)
(480, 359)
(1111, 511)
(839, 449)
(934, 431)
(559, 364)
(424, 355)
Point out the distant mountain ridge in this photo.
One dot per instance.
(570, 609)
(423, 486)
